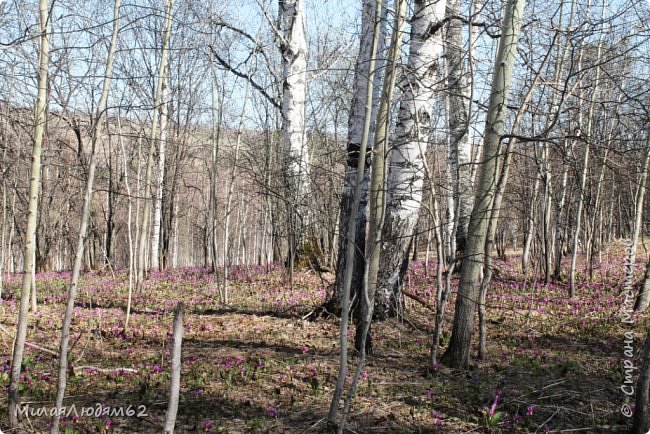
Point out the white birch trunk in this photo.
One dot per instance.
(144, 228)
(176, 366)
(30, 233)
(406, 167)
(460, 88)
(162, 145)
(293, 48)
(175, 234)
(643, 299)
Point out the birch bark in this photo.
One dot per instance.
(30, 233)
(356, 121)
(460, 89)
(293, 49)
(146, 212)
(406, 167)
(158, 198)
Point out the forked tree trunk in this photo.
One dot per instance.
(405, 173)
(30, 233)
(496, 209)
(83, 227)
(351, 234)
(377, 194)
(376, 208)
(458, 352)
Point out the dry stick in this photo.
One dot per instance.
(547, 420)
(34, 185)
(351, 235)
(419, 300)
(175, 382)
(79, 369)
(27, 344)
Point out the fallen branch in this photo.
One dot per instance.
(79, 369)
(36, 347)
(547, 420)
(419, 300)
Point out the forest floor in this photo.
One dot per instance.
(257, 366)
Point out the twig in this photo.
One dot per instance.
(37, 347)
(83, 351)
(554, 384)
(419, 300)
(315, 425)
(304, 317)
(547, 420)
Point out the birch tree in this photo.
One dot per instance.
(83, 227)
(146, 212)
(351, 234)
(458, 352)
(406, 167)
(30, 234)
(643, 299)
(293, 49)
(460, 149)
(162, 146)
(356, 122)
